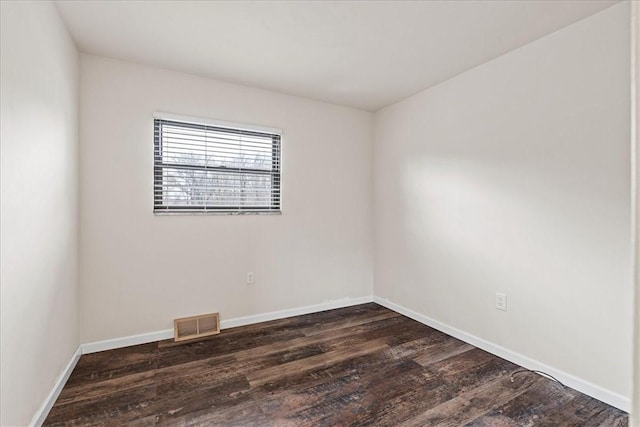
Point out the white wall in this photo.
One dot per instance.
(139, 271)
(39, 85)
(514, 177)
(635, 117)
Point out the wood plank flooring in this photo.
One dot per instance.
(362, 365)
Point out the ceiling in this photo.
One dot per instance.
(364, 54)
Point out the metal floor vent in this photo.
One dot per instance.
(189, 328)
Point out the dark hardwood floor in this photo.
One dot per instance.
(362, 365)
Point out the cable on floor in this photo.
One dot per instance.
(544, 374)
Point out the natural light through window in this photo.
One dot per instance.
(209, 168)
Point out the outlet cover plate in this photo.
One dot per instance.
(501, 301)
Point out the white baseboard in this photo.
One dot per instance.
(275, 315)
(96, 346)
(43, 411)
(111, 344)
(614, 399)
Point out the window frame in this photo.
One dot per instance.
(275, 206)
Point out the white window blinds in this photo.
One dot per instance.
(208, 168)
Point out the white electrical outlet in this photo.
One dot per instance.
(250, 278)
(501, 301)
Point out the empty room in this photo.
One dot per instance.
(319, 213)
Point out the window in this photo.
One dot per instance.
(211, 168)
